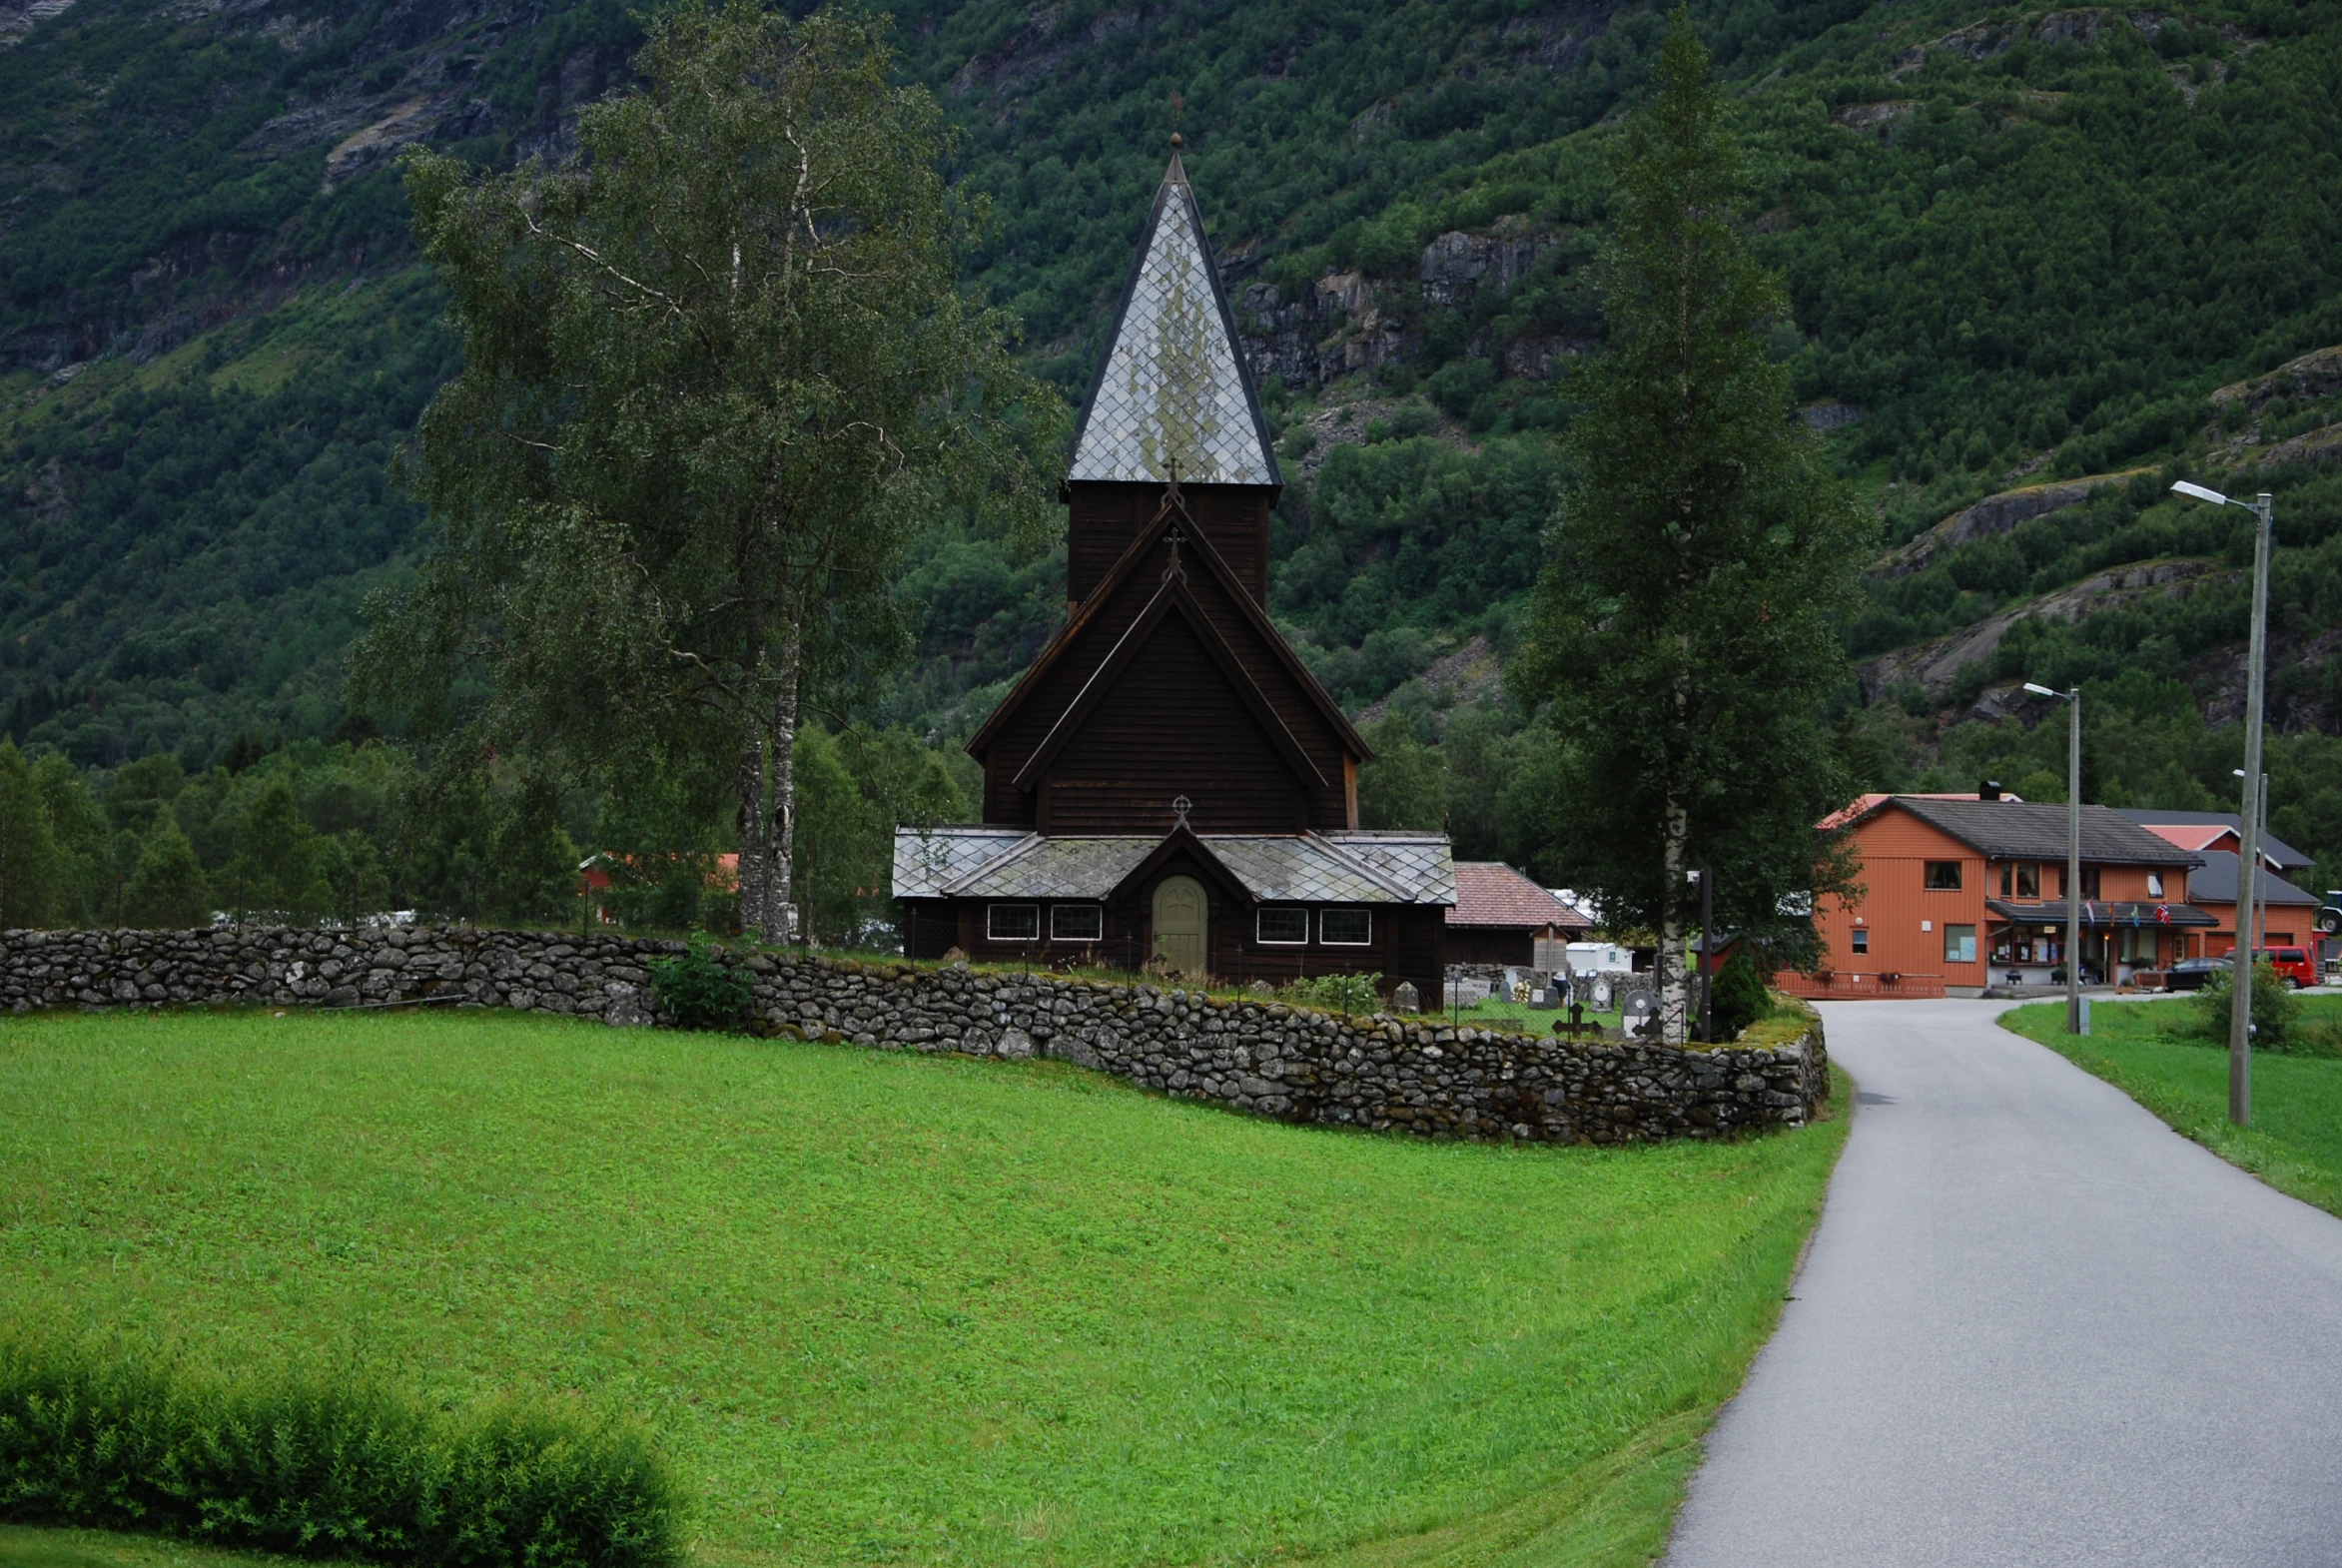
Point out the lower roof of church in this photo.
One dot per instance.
(1335, 867)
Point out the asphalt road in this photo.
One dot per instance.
(2035, 1327)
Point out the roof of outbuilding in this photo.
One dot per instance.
(1173, 387)
(2198, 829)
(2028, 830)
(2215, 882)
(1491, 893)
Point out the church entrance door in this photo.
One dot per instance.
(1180, 920)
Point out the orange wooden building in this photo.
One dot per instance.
(1963, 891)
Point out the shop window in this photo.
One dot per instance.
(1861, 939)
(1012, 921)
(2028, 880)
(1943, 876)
(1345, 928)
(1283, 925)
(1959, 944)
(1077, 922)
(2089, 882)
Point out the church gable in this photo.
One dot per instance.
(1169, 724)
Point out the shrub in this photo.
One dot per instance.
(698, 989)
(2276, 1011)
(318, 1468)
(1337, 992)
(1741, 997)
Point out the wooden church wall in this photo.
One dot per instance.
(1152, 755)
(1104, 518)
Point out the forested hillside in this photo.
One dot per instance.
(2041, 263)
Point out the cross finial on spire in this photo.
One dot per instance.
(1174, 539)
(1181, 806)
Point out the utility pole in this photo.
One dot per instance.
(2073, 700)
(2248, 862)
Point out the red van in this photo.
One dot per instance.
(2295, 966)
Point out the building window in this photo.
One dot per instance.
(2006, 870)
(2028, 880)
(1012, 921)
(1861, 939)
(1959, 944)
(1345, 928)
(2062, 882)
(1943, 876)
(1286, 925)
(2089, 882)
(1077, 922)
(2154, 884)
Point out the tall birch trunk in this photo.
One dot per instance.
(780, 799)
(1674, 992)
(748, 784)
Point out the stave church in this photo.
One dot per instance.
(1168, 787)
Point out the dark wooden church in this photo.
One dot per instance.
(1168, 786)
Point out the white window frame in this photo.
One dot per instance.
(1096, 922)
(1860, 945)
(991, 931)
(2154, 884)
(1366, 941)
(1265, 940)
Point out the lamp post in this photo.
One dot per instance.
(2260, 933)
(2249, 859)
(2072, 701)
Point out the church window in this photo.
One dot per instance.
(1285, 924)
(1012, 921)
(1077, 922)
(1345, 928)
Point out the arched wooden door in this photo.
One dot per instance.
(1182, 925)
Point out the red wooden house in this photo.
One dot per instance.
(1169, 785)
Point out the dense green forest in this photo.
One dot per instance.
(2022, 247)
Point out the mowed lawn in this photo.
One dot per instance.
(2152, 1052)
(886, 1309)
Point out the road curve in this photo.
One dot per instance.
(2035, 1327)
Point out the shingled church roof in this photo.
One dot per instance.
(1173, 387)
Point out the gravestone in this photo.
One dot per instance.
(1406, 999)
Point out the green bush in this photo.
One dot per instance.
(698, 989)
(1741, 997)
(2276, 1011)
(319, 1467)
(1337, 992)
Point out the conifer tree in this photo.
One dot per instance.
(1681, 627)
(27, 850)
(168, 891)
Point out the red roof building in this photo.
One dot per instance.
(1500, 916)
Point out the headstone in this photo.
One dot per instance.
(1262, 988)
(1406, 999)
(1604, 994)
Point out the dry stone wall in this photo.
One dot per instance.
(1296, 1064)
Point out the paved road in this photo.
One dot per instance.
(2035, 1327)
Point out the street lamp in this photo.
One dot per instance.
(2248, 862)
(2073, 700)
(2259, 906)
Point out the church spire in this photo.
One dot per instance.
(1173, 394)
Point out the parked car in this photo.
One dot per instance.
(2294, 966)
(2193, 974)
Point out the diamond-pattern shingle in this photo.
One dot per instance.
(1308, 868)
(1172, 390)
(929, 860)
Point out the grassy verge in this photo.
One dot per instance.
(2151, 1050)
(22, 1546)
(892, 1308)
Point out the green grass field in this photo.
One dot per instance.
(2151, 1051)
(887, 1308)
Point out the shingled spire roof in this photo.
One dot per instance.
(1173, 388)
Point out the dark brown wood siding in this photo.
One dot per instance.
(1170, 716)
(1516, 944)
(1102, 519)
(1172, 725)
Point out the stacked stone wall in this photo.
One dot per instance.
(1296, 1064)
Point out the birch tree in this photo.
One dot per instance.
(717, 373)
(1681, 625)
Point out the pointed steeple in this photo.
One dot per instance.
(1173, 394)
